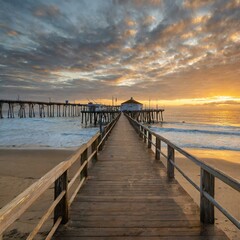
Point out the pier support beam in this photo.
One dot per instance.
(41, 111)
(58, 110)
(11, 110)
(1, 111)
(64, 113)
(22, 112)
(31, 112)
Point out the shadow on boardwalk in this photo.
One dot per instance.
(128, 196)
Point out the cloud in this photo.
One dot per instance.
(160, 48)
(46, 11)
(230, 102)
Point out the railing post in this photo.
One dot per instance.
(99, 140)
(84, 157)
(170, 166)
(145, 135)
(149, 140)
(157, 149)
(140, 131)
(206, 207)
(106, 130)
(103, 134)
(136, 127)
(94, 148)
(61, 210)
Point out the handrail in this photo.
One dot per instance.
(215, 172)
(58, 175)
(208, 173)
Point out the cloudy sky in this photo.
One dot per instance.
(165, 50)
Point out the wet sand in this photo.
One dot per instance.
(20, 168)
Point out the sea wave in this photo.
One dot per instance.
(43, 133)
(202, 136)
(196, 131)
(215, 147)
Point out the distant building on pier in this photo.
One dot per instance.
(131, 105)
(95, 107)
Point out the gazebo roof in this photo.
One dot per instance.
(131, 101)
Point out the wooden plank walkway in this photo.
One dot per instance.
(128, 196)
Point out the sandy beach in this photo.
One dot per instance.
(20, 168)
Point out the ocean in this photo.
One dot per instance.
(186, 127)
(44, 132)
(217, 129)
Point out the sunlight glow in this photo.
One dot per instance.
(69, 75)
(208, 101)
(216, 101)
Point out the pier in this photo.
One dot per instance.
(147, 115)
(90, 114)
(98, 117)
(24, 109)
(122, 190)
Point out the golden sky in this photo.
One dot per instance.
(158, 51)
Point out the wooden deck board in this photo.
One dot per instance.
(128, 196)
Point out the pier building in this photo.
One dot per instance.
(131, 105)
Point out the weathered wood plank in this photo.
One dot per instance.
(206, 207)
(141, 231)
(143, 238)
(61, 210)
(130, 224)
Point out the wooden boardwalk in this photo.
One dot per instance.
(128, 196)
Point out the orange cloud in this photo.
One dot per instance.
(148, 2)
(201, 19)
(176, 28)
(44, 11)
(130, 33)
(196, 4)
(187, 35)
(235, 37)
(149, 20)
(129, 22)
(12, 33)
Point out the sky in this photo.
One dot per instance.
(159, 51)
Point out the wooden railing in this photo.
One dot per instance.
(208, 173)
(58, 176)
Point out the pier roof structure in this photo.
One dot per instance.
(131, 101)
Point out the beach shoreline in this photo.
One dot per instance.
(19, 168)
